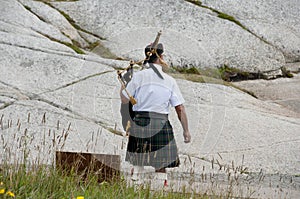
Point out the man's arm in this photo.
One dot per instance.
(124, 99)
(180, 110)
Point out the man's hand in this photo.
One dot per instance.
(187, 136)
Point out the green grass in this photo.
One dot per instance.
(71, 178)
(43, 182)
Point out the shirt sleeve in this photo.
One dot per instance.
(176, 96)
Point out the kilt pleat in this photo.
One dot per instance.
(152, 143)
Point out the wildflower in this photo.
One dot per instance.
(2, 191)
(9, 193)
(79, 197)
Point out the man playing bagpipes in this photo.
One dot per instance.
(152, 91)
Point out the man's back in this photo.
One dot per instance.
(153, 93)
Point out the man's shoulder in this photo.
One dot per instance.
(142, 72)
(139, 74)
(169, 77)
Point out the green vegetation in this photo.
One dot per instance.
(22, 176)
(114, 131)
(196, 2)
(73, 23)
(30, 10)
(230, 18)
(70, 20)
(99, 49)
(93, 45)
(97, 46)
(70, 45)
(220, 14)
(45, 182)
(286, 73)
(74, 47)
(227, 17)
(65, 0)
(191, 70)
(234, 74)
(223, 75)
(40, 181)
(46, 1)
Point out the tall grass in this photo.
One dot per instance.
(45, 182)
(25, 172)
(23, 175)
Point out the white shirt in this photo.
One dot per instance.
(152, 93)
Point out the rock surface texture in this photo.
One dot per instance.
(195, 35)
(275, 21)
(52, 98)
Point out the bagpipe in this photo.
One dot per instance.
(125, 77)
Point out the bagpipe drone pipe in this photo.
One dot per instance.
(126, 108)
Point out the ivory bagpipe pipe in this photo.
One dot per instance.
(125, 79)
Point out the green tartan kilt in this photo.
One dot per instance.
(152, 143)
